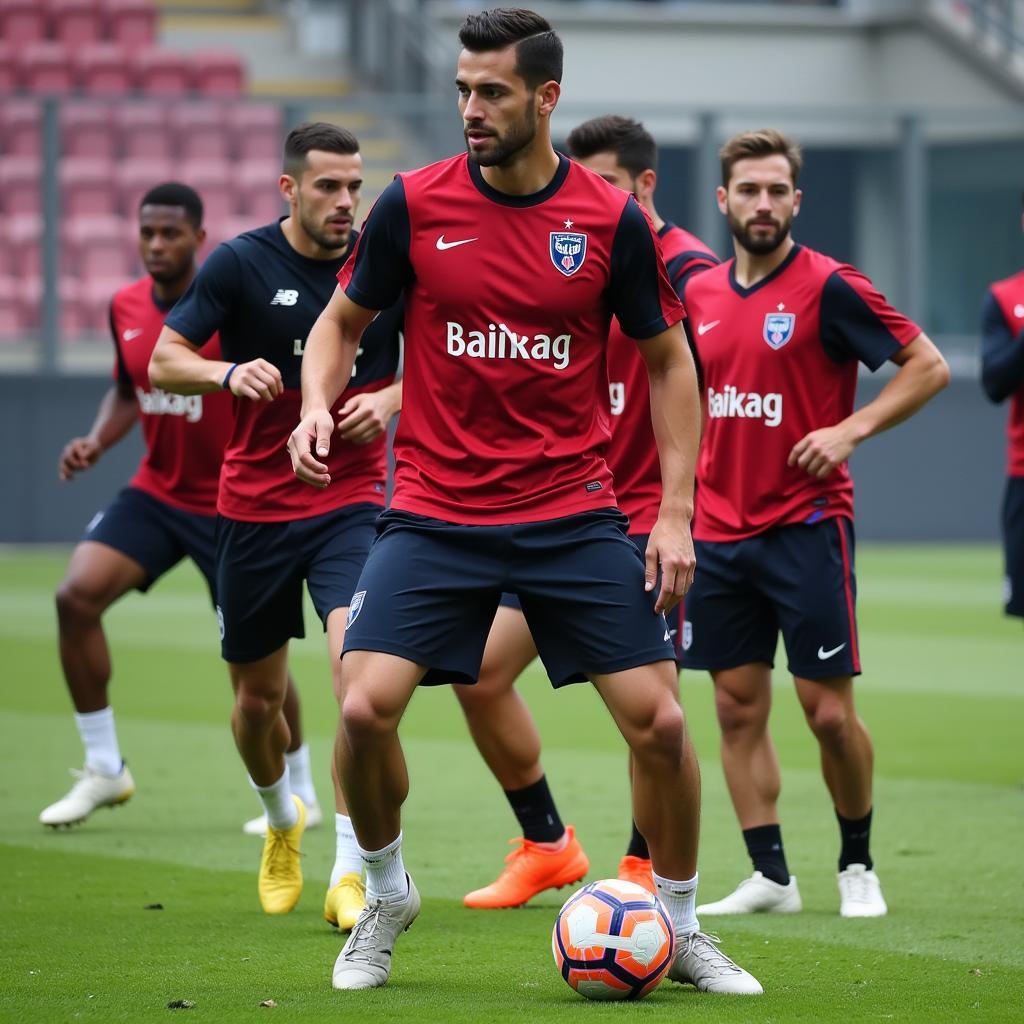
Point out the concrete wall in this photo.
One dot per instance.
(937, 477)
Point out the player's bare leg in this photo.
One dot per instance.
(96, 576)
(847, 765)
(644, 702)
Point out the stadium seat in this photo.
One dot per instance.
(75, 315)
(98, 247)
(8, 69)
(87, 129)
(161, 72)
(257, 181)
(87, 186)
(143, 130)
(24, 232)
(103, 69)
(11, 323)
(216, 183)
(136, 177)
(131, 22)
(21, 127)
(77, 22)
(258, 129)
(19, 184)
(45, 67)
(218, 73)
(200, 130)
(95, 295)
(22, 22)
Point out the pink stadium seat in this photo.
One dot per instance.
(161, 72)
(8, 68)
(218, 73)
(22, 21)
(257, 182)
(87, 129)
(98, 247)
(258, 129)
(131, 22)
(214, 180)
(21, 127)
(77, 22)
(201, 131)
(73, 313)
(19, 184)
(87, 186)
(24, 233)
(136, 177)
(11, 323)
(103, 69)
(143, 130)
(45, 67)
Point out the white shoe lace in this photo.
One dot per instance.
(859, 888)
(361, 945)
(704, 947)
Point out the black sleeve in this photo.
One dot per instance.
(682, 267)
(1002, 354)
(379, 268)
(639, 292)
(210, 298)
(850, 328)
(121, 377)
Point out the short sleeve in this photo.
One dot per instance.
(376, 273)
(210, 298)
(858, 323)
(121, 376)
(1002, 354)
(683, 266)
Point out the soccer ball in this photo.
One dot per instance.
(613, 940)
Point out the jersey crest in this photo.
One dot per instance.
(778, 328)
(568, 251)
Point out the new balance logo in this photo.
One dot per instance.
(703, 328)
(442, 244)
(131, 333)
(732, 404)
(501, 342)
(285, 297)
(824, 655)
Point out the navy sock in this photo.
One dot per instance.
(856, 839)
(536, 812)
(764, 844)
(638, 845)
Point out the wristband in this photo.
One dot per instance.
(227, 376)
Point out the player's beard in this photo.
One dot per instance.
(317, 231)
(759, 245)
(508, 147)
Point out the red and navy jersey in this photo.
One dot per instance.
(632, 453)
(508, 299)
(184, 435)
(779, 360)
(1002, 359)
(263, 297)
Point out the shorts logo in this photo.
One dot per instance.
(355, 607)
(687, 635)
(94, 522)
(220, 622)
(778, 328)
(568, 251)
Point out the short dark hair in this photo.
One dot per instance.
(174, 193)
(633, 145)
(762, 142)
(330, 138)
(538, 48)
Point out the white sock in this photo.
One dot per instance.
(278, 803)
(347, 856)
(385, 872)
(99, 737)
(680, 899)
(301, 774)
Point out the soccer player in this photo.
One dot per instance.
(512, 261)
(1002, 376)
(780, 330)
(262, 291)
(624, 153)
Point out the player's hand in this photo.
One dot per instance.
(670, 546)
(79, 453)
(257, 380)
(363, 418)
(309, 442)
(821, 451)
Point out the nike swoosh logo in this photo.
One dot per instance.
(133, 333)
(703, 329)
(669, 633)
(442, 244)
(823, 655)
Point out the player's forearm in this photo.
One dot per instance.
(114, 418)
(176, 366)
(675, 415)
(392, 398)
(327, 362)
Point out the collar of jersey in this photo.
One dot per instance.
(744, 292)
(533, 199)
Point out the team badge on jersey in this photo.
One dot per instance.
(687, 638)
(778, 328)
(568, 251)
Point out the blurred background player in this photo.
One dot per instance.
(779, 331)
(1002, 376)
(624, 153)
(262, 291)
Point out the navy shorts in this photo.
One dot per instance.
(261, 566)
(1013, 545)
(798, 579)
(156, 535)
(674, 618)
(429, 591)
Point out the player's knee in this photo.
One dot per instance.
(737, 716)
(75, 605)
(362, 720)
(829, 721)
(257, 707)
(663, 737)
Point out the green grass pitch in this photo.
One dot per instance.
(943, 694)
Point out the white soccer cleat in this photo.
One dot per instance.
(92, 789)
(700, 963)
(365, 960)
(758, 895)
(258, 826)
(860, 893)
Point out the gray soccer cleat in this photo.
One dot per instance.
(699, 962)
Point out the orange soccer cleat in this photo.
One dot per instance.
(638, 871)
(532, 868)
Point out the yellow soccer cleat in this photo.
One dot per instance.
(280, 880)
(345, 901)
